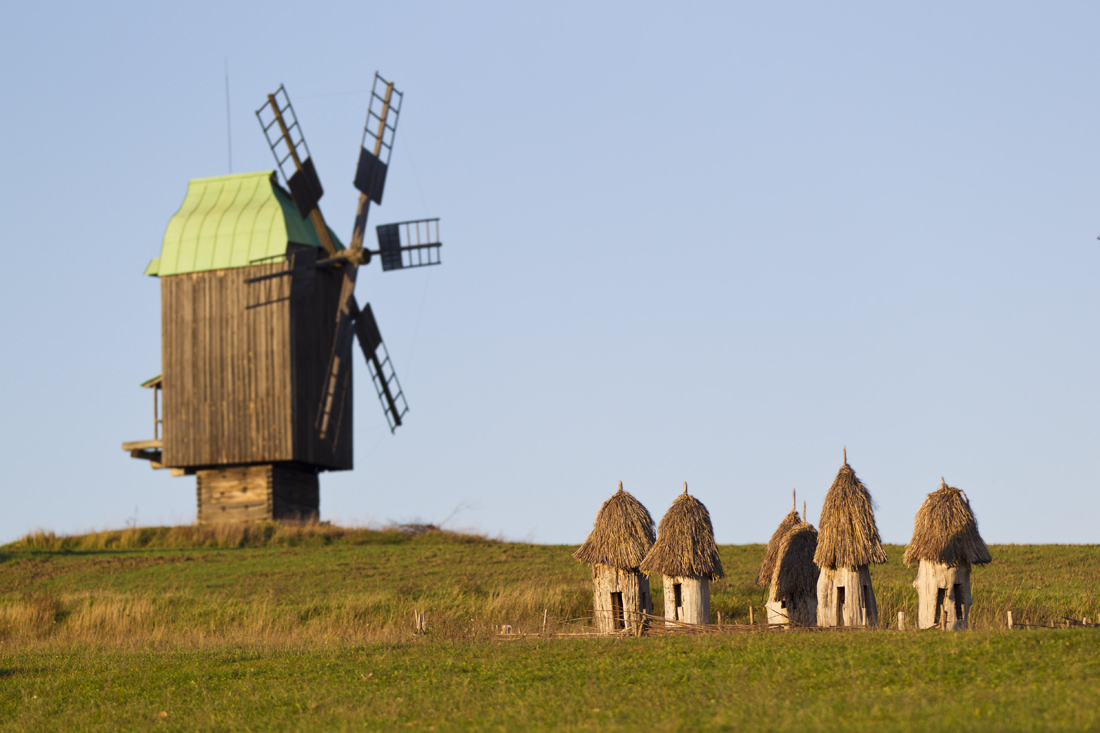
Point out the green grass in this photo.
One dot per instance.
(301, 628)
(1038, 680)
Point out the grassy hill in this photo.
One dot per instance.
(263, 580)
(271, 626)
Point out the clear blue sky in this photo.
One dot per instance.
(712, 244)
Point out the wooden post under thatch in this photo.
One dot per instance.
(620, 538)
(845, 597)
(943, 595)
(687, 599)
(847, 544)
(619, 598)
(946, 544)
(686, 555)
(777, 611)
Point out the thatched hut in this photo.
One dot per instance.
(947, 544)
(789, 573)
(848, 542)
(687, 558)
(793, 594)
(619, 541)
(764, 577)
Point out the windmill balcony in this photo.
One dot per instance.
(151, 450)
(147, 450)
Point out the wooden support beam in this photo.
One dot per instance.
(134, 445)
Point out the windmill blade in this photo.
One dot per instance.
(383, 376)
(408, 244)
(370, 178)
(378, 133)
(337, 418)
(288, 145)
(382, 373)
(339, 358)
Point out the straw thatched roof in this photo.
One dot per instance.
(946, 532)
(795, 571)
(685, 543)
(622, 534)
(764, 577)
(849, 537)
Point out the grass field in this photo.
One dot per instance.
(291, 628)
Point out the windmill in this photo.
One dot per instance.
(255, 393)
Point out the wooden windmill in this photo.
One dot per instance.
(258, 314)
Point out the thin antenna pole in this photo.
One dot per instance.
(804, 511)
(228, 128)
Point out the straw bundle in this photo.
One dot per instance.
(622, 534)
(685, 545)
(946, 532)
(764, 577)
(795, 572)
(849, 537)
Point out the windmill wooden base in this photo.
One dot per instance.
(258, 492)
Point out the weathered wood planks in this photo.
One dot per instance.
(254, 493)
(242, 385)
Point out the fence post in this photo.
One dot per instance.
(750, 616)
(901, 621)
(1010, 620)
(545, 613)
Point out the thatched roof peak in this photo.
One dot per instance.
(849, 537)
(764, 577)
(795, 571)
(685, 544)
(621, 535)
(945, 531)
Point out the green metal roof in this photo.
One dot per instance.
(231, 221)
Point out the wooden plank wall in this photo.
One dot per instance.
(239, 494)
(226, 368)
(243, 385)
(256, 493)
(312, 332)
